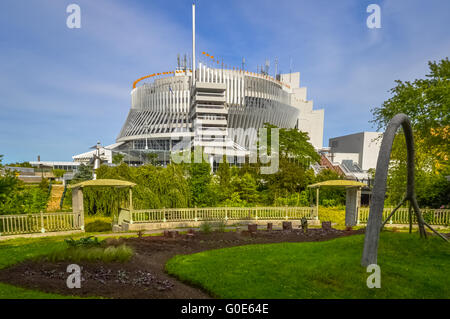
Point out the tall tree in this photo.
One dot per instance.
(427, 104)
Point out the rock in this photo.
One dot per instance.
(252, 228)
(287, 225)
(326, 226)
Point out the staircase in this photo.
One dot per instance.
(55, 198)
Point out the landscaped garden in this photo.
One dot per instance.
(226, 264)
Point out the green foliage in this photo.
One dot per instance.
(20, 164)
(334, 215)
(427, 104)
(296, 199)
(411, 268)
(58, 172)
(220, 226)
(25, 199)
(83, 173)
(330, 196)
(205, 227)
(199, 181)
(8, 183)
(89, 241)
(120, 253)
(117, 158)
(98, 226)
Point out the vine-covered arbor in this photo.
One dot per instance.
(352, 200)
(77, 192)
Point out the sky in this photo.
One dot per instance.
(62, 90)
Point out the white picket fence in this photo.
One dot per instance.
(40, 223)
(216, 214)
(431, 216)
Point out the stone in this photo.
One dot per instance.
(166, 233)
(269, 226)
(326, 225)
(304, 225)
(252, 228)
(287, 225)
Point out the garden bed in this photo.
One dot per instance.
(144, 275)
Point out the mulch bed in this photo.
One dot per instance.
(144, 276)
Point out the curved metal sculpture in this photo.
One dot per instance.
(374, 224)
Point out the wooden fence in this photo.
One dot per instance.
(40, 223)
(216, 214)
(431, 216)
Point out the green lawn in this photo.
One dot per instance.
(410, 268)
(17, 250)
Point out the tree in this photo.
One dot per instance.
(8, 182)
(296, 154)
(152, 158)
(118, 158)
(427, 104)
(245, 186)
(58, 172)
(224, 179)
(84, 173)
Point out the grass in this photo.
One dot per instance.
(120, 253)
(17, 250)
(410, 268)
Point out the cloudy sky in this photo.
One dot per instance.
(63, 89)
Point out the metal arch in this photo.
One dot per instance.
(374, 223)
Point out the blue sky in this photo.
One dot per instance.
(63, 89)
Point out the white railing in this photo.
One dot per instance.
(40, 223)
(216, 214)
(431, 216)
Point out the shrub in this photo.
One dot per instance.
(205, 227)
(334, 215)
(83, 242)
(98, 225)
(120, 253)
(220, 226)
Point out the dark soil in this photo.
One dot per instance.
(144, 276)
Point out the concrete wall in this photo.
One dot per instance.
(365, 144)
(309, 120)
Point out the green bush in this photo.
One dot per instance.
(332, 214)
(220, 226)
(97, 224)
(83, 242)
(120, 253)
(205, 227)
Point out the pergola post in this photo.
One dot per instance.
(317, 202)
(352, 203)
(77, 205)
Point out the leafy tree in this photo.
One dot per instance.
(8, 182)
(224, 179)
(245, 186)
(152, 158)
(427, 104)
(118, 158)
(83, 173)
(58, 172)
